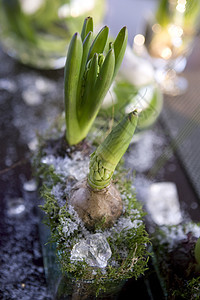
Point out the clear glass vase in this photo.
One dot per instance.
(37, 32)
(169, 40)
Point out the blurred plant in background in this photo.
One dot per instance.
(134, 88)
(169, 38)
(38, 32)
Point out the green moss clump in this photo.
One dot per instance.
(190, 290)
(175, 262)
(128, 244)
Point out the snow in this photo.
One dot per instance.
(163, 203)
(173, 235)
(126, 224)
(144, 152)
(77, 167)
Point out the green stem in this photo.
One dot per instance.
(105, 159)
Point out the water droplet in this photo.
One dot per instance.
(8, 85)
(30, 186)
(15, 206)
(194, 205)
(44, 86)
(33, 144)
(31, 97)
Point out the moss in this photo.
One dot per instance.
(175, 262)
(129, 254)
(190, 290)
(129, 246)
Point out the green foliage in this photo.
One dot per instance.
(176, 260)
(88, 76)
(17, 20)
(167, 13)
(190, 290)
(163, 14)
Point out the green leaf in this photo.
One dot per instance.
(92, 104)
(99, 43)
(87, 27)
(71, 80)
(88, 77)
(86, 46)
(119, 45)
(104, 80)
(90, 81)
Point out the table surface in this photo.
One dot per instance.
(21, 271)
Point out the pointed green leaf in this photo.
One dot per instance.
(120, 44)
(90, 80)
(71, 79)
(100, 89)
(86, 46)
(104, 79)
(87, 27)
(99, 43)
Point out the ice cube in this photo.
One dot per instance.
(30, 186)
(163, 204)
(95, 250)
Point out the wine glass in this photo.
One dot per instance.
(37, 32)
(168, 39)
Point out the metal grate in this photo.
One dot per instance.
(181, 118)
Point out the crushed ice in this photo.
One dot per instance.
(173, 235)
(77, 167)
(8, 85)
(163, 203)
(142, 155)
(69, 226)
(124, 223)
(30, 186)
(15, 206)
(94, 250)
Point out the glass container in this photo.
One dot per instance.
(169, 39)
(37, 32)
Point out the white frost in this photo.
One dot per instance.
(77, 167)
(173, 235)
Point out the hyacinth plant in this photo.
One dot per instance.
(96, 199)
(81, 209)
(96, 223)
(88, 76)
